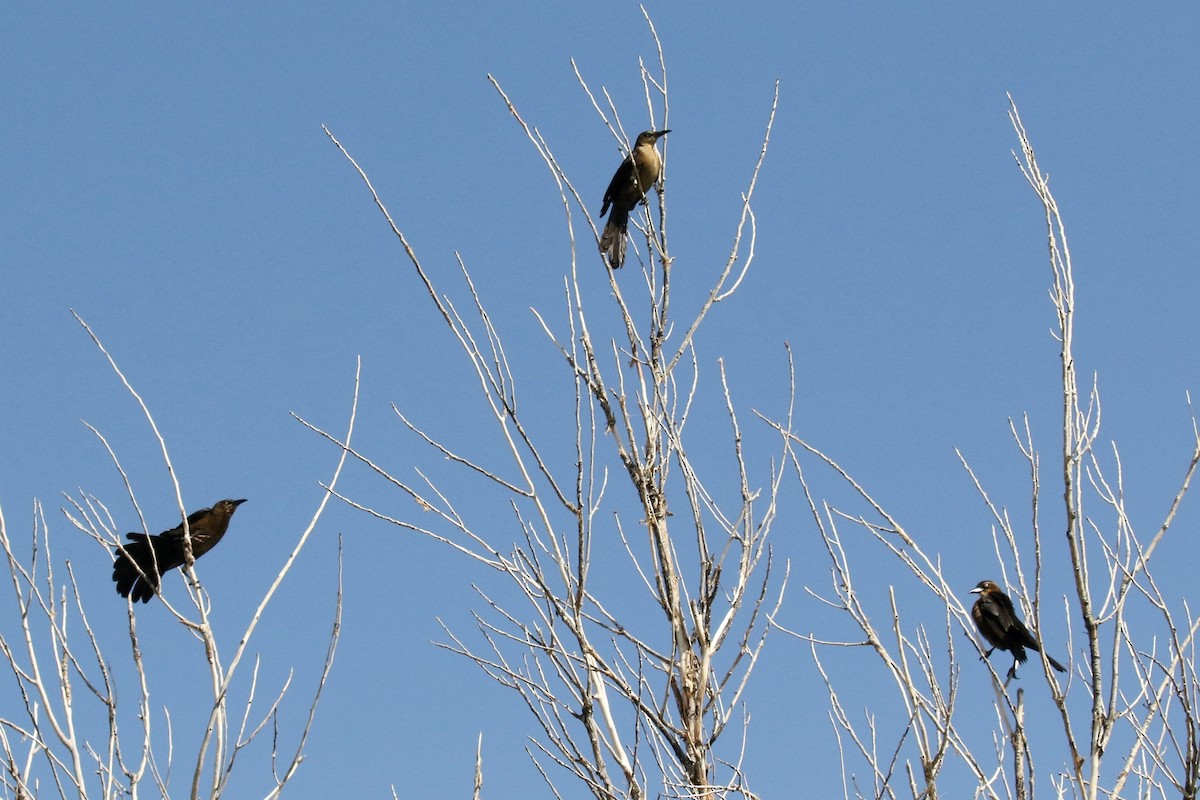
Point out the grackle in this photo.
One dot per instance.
(997, 620)
(141, 563)
(638, 172)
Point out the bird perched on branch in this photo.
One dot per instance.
(638, 172)
(997, 620)
(140, 563)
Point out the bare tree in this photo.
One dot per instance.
(1139, 735)
(633, 679)
(68, 732)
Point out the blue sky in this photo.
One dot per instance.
(165, 175)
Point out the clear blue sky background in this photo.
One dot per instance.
(165, 175)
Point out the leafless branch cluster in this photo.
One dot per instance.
(630, 581)
(631, 679)
(1157, 704)
(73, 733)
(1139, 735)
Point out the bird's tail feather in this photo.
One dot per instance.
(613, 240)
(1053, 663)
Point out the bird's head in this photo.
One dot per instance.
(228, 506)
(985, 587)
(650, 137)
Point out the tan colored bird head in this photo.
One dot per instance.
(650, 137)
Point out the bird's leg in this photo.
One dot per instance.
(987, 655)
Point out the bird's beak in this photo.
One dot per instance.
(660, 134)
(237, 503)
(977, 590)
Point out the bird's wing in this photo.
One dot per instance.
(621, 178)
(1001, 607)
(1003, 601)
(193, 519)
(196, 516)
(988, 619)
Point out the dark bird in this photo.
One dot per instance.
(154, 555)
(997, 620)
(638, 172)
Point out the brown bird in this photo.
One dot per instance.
(638, 172)
(997, 620)
(154, 555)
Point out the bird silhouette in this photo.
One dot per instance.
(997, 620)
(640, 170)
(141, 563)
